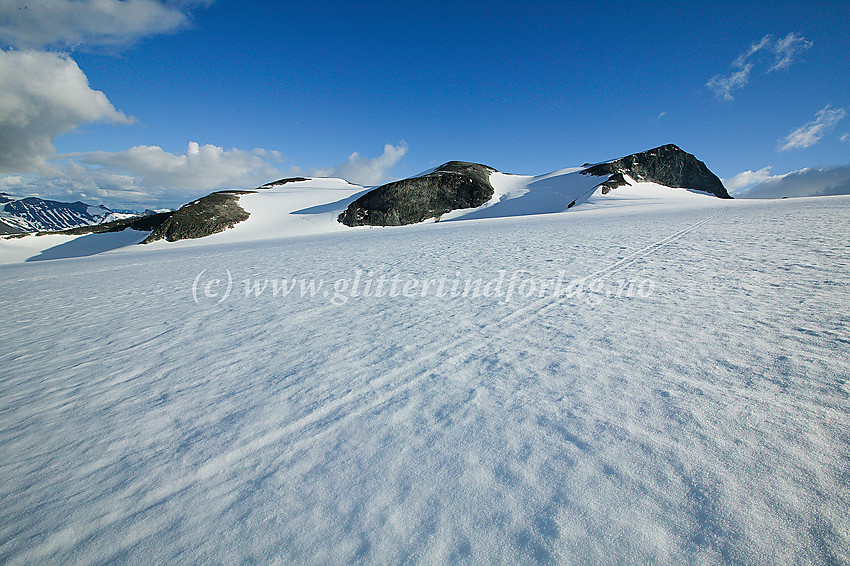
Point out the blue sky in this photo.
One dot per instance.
(760, 92)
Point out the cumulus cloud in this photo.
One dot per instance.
(774, 54)
(70, 23)
(201, 167)
(46, 94)
(811, 181)
(43, 95)
(118, 180)
(148, 176)
(746, 179)
(76, 182)
(811, 133)
(366, 171)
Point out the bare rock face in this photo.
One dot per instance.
(452, 186)
(666, 165)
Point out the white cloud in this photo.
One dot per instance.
(754, 48)
(366, 171)
(43, 95)
(845, 137)
(746, 179)
(810, 133)
(201, 167)
(91, 186)
(786, 48)
(820, 181)
(148, 176)
(760, 53)
(723, 86)
(70, 23)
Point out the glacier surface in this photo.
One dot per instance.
(687, 401)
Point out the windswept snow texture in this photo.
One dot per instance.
(705, 421)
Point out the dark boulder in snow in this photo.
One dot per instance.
(452, 186)
(666, 165)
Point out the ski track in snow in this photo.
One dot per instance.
(707, 422)
(466, 347)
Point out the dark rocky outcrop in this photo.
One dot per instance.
(283, 182)
(452, 186)
(666, 165)
(208, 215)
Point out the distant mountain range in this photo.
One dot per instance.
(19, 215)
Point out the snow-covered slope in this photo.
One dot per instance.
(290, 209)
(279, 211)
(685, 400)
(521, 195)
(312, 206)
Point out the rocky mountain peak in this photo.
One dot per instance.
(666, 165)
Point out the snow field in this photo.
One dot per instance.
(706, 422)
